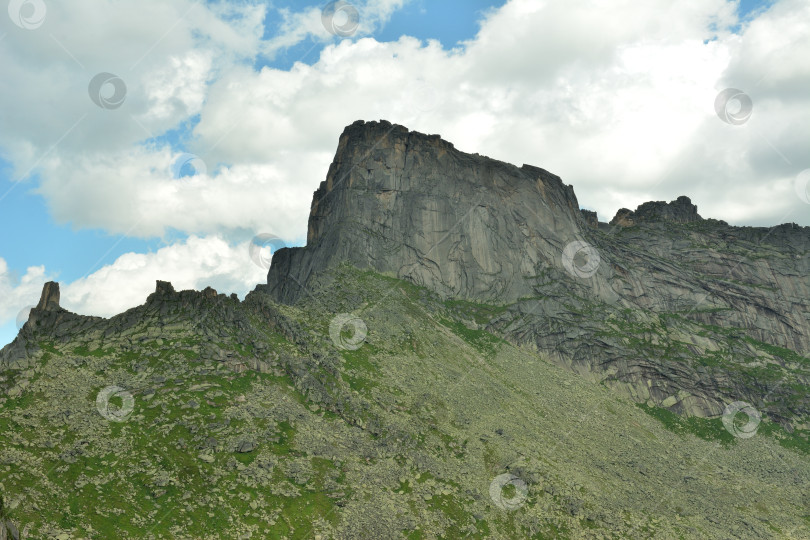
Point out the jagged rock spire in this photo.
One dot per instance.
(164, 287)
(49, 301)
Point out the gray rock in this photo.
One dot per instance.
(590, 218)
(681, 210)
(164, 288)
(8, 531)
(410, 204)
(245, 447)
(49, 300)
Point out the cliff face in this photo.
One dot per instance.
(412, 205)
(645, 303)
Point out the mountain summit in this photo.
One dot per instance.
(409, 204)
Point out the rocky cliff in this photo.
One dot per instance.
(411, 205)
(661, 303)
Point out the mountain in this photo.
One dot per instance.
(666, 306)
(458, 352)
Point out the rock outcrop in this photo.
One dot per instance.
(468, 227)
(681, 210)
(49, 301)
(590, 218)
(411, 205)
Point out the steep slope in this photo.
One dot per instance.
(668, 307)
(199, 416)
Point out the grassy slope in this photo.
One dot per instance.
(417, 423)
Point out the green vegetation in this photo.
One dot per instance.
(83, 351)
(713, 429)
(481, 313)
(798, 440)
(709, 429)
(482, 340)
(361, 373)
(402, 436)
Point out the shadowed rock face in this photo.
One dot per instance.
(470, 227)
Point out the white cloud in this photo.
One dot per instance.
(17, 293)
(617, 98)
(135, 193)
(195, 263)
(629, 120)
(178, 90)
(297, 26)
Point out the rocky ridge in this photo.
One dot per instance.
(411, 205)
(472, 228)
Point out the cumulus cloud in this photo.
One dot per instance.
(164, 52)
(140, 192)
(616, 98)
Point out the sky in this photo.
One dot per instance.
(182, 140)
